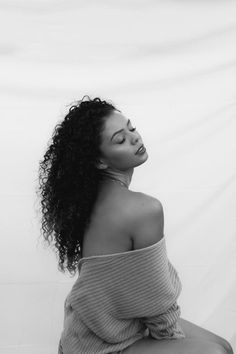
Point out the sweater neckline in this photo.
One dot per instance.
(104, 256)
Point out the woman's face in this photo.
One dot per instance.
(120, 143)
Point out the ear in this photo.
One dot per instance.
(101, 165)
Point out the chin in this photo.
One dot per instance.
(142, 159)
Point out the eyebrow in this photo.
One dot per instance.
(118, 131)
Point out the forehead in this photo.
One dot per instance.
(115, 121)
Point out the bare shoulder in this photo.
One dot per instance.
(142, 197)
(146, 220)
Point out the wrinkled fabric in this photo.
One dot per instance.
(121, 298)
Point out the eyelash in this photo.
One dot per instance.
(124, 139)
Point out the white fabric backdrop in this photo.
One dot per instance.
(170, 66)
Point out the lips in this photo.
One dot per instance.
(140, 147)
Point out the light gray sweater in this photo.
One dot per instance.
(121, 298)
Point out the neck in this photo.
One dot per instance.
(119, 176)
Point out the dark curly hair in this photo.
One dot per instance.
(69, 179)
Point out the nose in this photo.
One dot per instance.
(135, 139)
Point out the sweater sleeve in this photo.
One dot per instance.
(165, 325)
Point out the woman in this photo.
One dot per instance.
(125, 298)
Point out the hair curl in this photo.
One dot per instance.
(69, 179)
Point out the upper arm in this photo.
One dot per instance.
(147, 221)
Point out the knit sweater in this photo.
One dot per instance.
(120, 298)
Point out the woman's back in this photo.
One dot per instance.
(122, 220)
(122, 294)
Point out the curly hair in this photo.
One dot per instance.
(69, 179)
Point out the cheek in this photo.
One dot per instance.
(123, 156)
(118, 154)
(121, 152)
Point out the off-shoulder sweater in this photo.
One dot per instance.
(120, 298)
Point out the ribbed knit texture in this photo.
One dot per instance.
(120, 298)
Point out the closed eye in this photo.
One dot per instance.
(133, 129)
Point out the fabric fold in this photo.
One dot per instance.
(120, 298)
